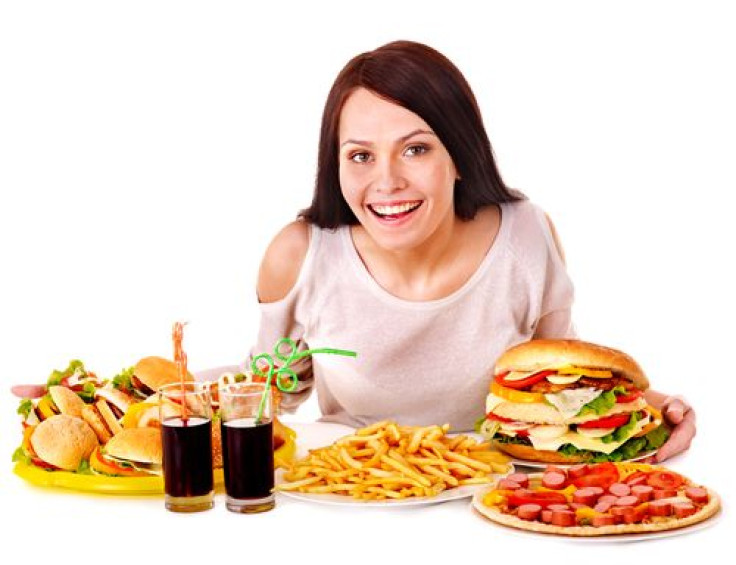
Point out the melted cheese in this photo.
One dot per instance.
(582, 442)
(570, 401)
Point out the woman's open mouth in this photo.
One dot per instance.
(394, 212)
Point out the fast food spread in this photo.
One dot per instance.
(569, 401)
(576, 407)
(598, 500)
(388, 461)
(87, 433)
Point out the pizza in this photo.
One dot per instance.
(598, 499)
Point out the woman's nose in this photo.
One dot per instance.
(389, 176)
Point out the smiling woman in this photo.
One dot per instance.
(413, 252)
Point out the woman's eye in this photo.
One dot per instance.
(359, 157)
(415, 150)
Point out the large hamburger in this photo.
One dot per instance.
(569, 401)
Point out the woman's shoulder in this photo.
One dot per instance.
(530, 223)
(283, 261)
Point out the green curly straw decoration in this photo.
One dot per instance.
(286, 379)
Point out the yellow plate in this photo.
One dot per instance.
(104, 484)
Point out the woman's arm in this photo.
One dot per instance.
(278, 275)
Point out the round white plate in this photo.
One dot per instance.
(321, 434)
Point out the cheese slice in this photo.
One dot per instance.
(570, 401)
(582, 442)
(563, 379)
(492, 401)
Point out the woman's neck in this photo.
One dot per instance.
(433, 269)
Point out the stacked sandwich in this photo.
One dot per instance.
(568, 401)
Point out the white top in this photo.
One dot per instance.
(419, 363)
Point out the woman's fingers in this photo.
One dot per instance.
(674, 409)
(680, 438)
(28, 391)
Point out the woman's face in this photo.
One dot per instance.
(395, 174)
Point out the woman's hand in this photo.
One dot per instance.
(28, 391)
(679, 415)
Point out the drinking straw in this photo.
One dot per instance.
(284, 372)
(180, 359)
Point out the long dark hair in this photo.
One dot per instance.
(425, 82)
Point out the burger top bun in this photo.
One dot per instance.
(63, 441)
(66, 401)
(137, 444)
(155, 372)
(549, 353)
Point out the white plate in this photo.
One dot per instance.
(541, 465)
(477, 507)
(321, 434)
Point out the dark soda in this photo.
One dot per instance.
(187, 461)
(247, 452)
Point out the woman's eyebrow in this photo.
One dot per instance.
(399, 140)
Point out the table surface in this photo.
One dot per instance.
(87, 524)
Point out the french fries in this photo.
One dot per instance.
(387, 461)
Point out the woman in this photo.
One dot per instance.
(415, 254)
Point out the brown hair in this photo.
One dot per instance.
(425, 82)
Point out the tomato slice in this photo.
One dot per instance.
(664, 480)
(492, 416)
(633, 395)
(543, 498)
(599, 475)
(525, 382)
(615, 421)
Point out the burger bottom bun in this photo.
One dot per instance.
(528, 453)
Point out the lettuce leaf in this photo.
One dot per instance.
(603, 403)
(20, 455)
(75, 366)
(87, 393)
(25, 407)
(122, 379)
(622, 432)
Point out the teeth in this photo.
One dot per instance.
(393, 210)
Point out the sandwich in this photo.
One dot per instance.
(58, 400)
(133, 452)
(61, 442)
(104, 415)
(144, 379)
(569, 401)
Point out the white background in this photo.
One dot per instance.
(149, 151)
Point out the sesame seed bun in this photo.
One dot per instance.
(63, 441)
(552, 353)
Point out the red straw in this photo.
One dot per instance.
(180, 358)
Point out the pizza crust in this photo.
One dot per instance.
(671, 523)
